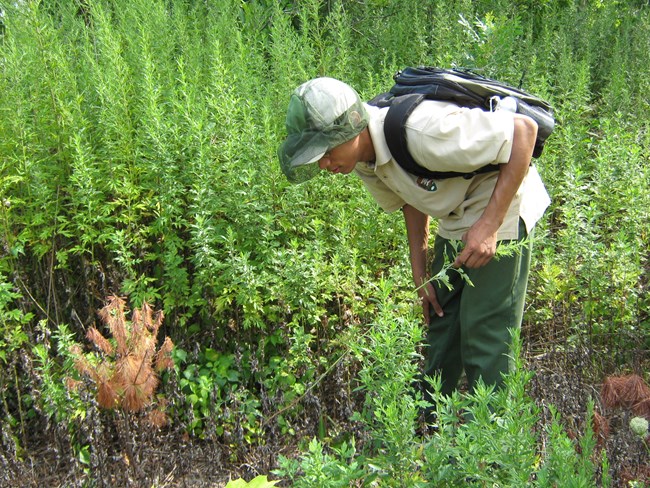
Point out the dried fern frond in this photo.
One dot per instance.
(139, 344)
(157, 419)
(84, 367)
(107, 396)
(139, 380)
(137, 396)
(113, 316)
(612, 390)
(642, 408)
(158, 318)
(134, 399)
(137, 327)
(133, 368)
(124, 375)
(99, 340)
(600, 428)
(148, 347)
(104, 370)
(164, 359)
(150, 384)
(147, 316)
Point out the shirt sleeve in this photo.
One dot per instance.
(444, 137)
(386, 198)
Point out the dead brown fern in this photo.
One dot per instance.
(600, 426)
(637, 391)
(125, 370)
(612, 390)
(642, 408)
(628, 391)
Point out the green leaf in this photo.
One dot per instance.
(211, 355)
(84, 455)
(259, 482)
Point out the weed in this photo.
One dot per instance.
(137, 153)
(125, 370)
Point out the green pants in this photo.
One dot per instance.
(473, 334)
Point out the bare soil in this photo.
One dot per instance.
(170, 458)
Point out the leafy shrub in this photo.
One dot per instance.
(486, 438)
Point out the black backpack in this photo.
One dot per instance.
(463, 87)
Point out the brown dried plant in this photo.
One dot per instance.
(629, 391)
(125, 370)
(600, 427)
(637, 390)
(642, 409)
(611, 391)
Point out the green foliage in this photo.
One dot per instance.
(566, 463)
(389, 370)
(487, 438)
(137, 156)
(13, 321)
(58, 399)
(325, 468)
(206, 386)
(257, 482)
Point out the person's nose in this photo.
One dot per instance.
(324, 162)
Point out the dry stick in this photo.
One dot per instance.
(38, 305)
(133, 461)
(20, 407)
(51, 293)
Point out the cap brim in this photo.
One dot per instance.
(307, 154)
(298, 166)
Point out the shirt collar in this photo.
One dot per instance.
(376, 128)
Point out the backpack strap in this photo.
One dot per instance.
(401, 108)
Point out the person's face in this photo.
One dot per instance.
(342, 159)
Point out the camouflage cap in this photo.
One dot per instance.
(323, 113)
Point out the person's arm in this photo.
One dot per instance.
(481, 239)
(417, 231)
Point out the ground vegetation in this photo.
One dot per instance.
(174, 313)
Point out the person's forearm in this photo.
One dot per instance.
(481, 238)
(417, 231)
(511, 174)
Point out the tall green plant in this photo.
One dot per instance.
(137, 154)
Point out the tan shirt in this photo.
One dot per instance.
(444, 137)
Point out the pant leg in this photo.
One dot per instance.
(488, 310)
(443, 354)
(473, 333)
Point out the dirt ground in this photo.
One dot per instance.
(564, 382)
(168, 458)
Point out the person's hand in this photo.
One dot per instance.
(480, 246)
(429, 300)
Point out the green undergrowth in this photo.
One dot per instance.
(138, 158)
(486, 438)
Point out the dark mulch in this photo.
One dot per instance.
(567, 382)
(170, 458)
